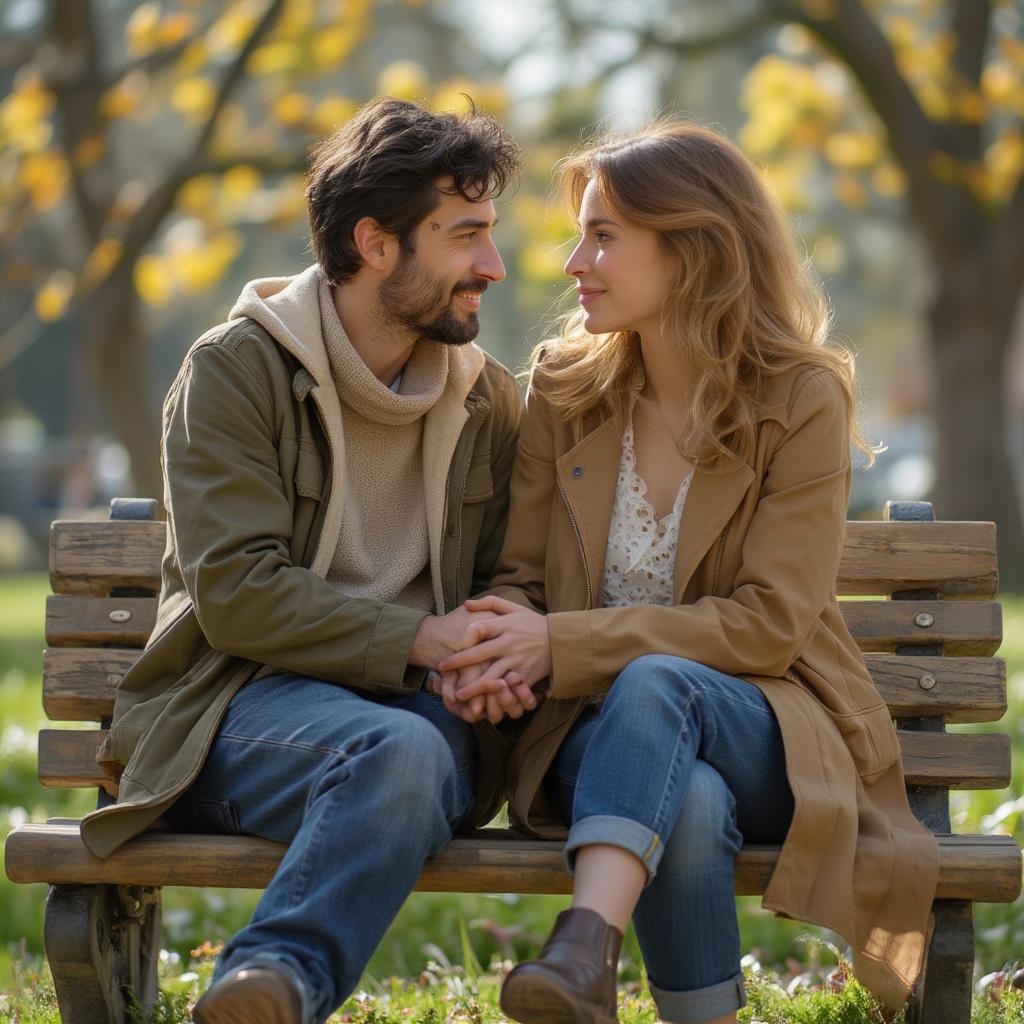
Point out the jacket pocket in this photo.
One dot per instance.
(309, 472)
(479, 483)
(870, 736)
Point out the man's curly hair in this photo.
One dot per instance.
(392, 161)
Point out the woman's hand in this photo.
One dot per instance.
(515, 641)
(493, 698)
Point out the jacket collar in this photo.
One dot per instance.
(587, 475)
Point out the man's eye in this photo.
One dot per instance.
(470, 236)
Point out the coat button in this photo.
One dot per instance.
(577, 471)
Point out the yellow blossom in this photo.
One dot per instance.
(52, 299)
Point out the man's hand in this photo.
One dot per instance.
(496, 698)
(442, 635)
(514, 640)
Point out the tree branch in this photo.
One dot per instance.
(157, 60)
(858, 42)
(76, 86)
(160, 201)
(970, 25)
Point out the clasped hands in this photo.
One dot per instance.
(498, 663)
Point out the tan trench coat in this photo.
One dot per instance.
(759, 551)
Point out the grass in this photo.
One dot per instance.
(423, 969)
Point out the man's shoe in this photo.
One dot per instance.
(573, 979)
(251, 995)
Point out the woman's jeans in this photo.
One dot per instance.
(364, 789)
(680, 765)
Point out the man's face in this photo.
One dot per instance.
(435, 290)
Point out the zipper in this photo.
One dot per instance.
(579, 540)
(470, 431)
(718, 561)
(325, 497)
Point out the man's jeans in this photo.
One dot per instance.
(364, 788)
(680, 765)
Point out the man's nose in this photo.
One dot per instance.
(490, 265)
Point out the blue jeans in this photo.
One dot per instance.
(680, 765)
(364, 788)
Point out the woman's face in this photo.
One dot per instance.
(622, 273)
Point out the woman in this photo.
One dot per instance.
(677, 520)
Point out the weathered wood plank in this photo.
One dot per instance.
(956, 760)
(984, 868)
(95, 557)
(957, 689)
(953, 558)
(95, 621)
(956, 559)
(67, 760)
(962, 627)
(79, 684)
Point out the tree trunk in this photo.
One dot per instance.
(115, 347)
(970, 342)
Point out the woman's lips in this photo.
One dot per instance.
(587, 295)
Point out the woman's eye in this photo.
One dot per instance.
(602, 236)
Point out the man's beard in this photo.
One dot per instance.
(411, 297)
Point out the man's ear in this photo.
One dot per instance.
(377, 246)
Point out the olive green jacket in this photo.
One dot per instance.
(247, 455)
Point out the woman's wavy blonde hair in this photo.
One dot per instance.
(745, 305)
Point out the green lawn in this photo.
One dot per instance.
(439, 940)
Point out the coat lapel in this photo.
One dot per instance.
(710, 503)
(587, 474)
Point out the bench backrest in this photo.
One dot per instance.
(928, 627)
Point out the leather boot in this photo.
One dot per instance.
(251, 995)
(573, 979)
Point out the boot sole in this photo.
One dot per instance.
(537, 1000)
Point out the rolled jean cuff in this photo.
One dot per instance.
(611, 830)
(702, 1003)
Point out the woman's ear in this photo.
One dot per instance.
(377, 246)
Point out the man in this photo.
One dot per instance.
(336, 460)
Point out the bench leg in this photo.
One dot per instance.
(945, 997)
(103, 945)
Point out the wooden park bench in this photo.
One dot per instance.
(929, 632)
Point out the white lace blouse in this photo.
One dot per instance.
(641, 554)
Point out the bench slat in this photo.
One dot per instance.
(962, 627)
(965, 627)
(87, 622)
(985, 868)
(954, 558)
(95, 557)
(79, 683)
(957, 760)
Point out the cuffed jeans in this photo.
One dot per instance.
(680, 765)
(364, 788)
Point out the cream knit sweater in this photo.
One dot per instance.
(299, 312)
(383, 551)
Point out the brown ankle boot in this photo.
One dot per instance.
(573, 979)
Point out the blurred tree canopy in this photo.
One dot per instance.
(161, 130)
